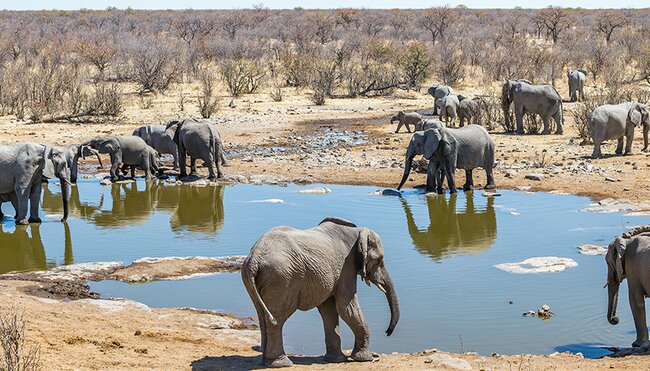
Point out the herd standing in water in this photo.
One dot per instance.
(289, 269)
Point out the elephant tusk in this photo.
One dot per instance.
(380, 287)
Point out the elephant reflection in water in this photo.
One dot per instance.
(52, 203)
(21, 252)
(200, 209)
(449, 232)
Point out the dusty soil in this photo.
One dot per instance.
(96, 334)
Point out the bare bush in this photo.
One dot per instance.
(242, 76)
(452, 63)
(155, 66)
(16, 356)
(415, 65)
(322, 81)
(276, 93)
(581, 113)
(207, 101)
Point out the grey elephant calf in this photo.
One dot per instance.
(615, 121)
(23, 168)
(289, 269)
(154, 164)
(405, 119)
(577, 79)
(123, 150)
(437, 92)
(629, 257)
(199, 140)
(448, 106)
(156, 137)
(72, 155)
(449, 149)
(470, 109)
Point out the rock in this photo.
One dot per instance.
(535, 176)
(524, 188)
(316, 191)
(391, 192)
(303, 180)
(270, 201)
(491, 194)
(592, 250)
(443, 361)
(608, 179)
(545, 264)
(105, 182)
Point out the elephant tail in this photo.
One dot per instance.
(248, 273)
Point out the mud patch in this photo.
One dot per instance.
(174, 268)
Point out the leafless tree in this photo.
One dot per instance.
(437, 20)
(610, 21)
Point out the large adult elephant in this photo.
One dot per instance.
(124, 150)
(199, 140)
(289, 269)
(629, 257)
(615, 121)
(156, 137)
(453, 231)
(465, 148)
(23, 168)
(437, 92)
(542, 100)
(577, 79)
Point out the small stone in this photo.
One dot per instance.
(535, 176)
(105, 182)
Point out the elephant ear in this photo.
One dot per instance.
(369, 252)
(47, 164)
(617, 249)
(634, 116)
(584, 72)
(432, 138)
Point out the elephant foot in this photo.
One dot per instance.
(452, 190)
(225, 164)
(467, 187)
(335, 358)
(362, 356)
(282, 361)
(641, 344)
(35, 220)
(559, 132)
(520, 132)
(628, 153)
(490, 186)
(22, 222)
(545, 132)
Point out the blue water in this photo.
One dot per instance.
(441, 253)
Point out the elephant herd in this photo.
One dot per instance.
(25, 166)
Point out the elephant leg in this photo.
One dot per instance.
(432, 170)
(490, 179)
(181, 161)
(596, 153)
(274, 355)
(558, 123)
(34, 201)
(519, 116)
(469, 181)
(210, 163)
(547, 129)
(629, 138)
(332, 332)
(116, 160)
(440, 179)
(619, 146)
(399, 126)
(462, 121)
(637, 305)
(351, 313)
(451, 183)
(22, 198)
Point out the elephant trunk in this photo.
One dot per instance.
(407, 170)
(393, 304)
(612, 289)
(65, 194)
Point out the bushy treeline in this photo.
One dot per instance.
(62, 65)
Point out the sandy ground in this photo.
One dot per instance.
(99, 334)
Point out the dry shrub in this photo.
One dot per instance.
(208, 101)
(452, 63)
(242, 76)
(322, 81)
(533, 123)
(16, 356)
(276, 93)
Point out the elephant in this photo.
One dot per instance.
(24, 167)
(466, 148)
(428, 124)
(406, 119)
(437, 92)
(577, 79)
(614, 121)
(130, 205)
(51, 203)
(451, 231)
(448, 106)
(199, 140)
(629, 257)
(470, 109)
(155, 136)
(289, 269)
(72, 154)
(123, 149)
(542, 100)
(154, 164)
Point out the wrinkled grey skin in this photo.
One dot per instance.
(437, 92)
(468, 109)
(630, 258)
(577, 79)
(154, 163)
(199, 140)
(289, 269)
(429, 124)
(466, 148)
(72, 154)
(405, 119)
(542, 100)
(448, 106)
(123, 149)
(615, 121)
(155, 136)
(24, 167)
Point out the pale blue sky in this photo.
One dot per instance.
(288, 4)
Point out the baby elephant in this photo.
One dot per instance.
(123, 149)
(289, 269)
(406, 119)
(155, 136)
(629, 257)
